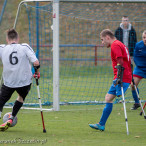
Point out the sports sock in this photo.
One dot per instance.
(16, 107)
(135, 95)
(106, 112)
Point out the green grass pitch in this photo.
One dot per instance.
(69, 127)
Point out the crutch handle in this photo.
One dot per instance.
(37, 82)
(122, 72)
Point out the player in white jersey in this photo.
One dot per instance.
(17, 75)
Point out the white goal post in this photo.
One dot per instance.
(55, 48)
(56, 106)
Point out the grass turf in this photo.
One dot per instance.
(69, 127)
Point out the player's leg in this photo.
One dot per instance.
(138, 76)
(105, 114)
(5, 95)
(18, 104)
(112, 93)
(22, 93)
(107, 109)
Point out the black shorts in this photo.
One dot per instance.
(6, 92)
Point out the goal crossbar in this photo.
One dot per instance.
(90, 1)
(104, 1)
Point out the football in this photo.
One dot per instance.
(7, 116)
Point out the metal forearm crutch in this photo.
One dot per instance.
(124, 105)
(142, 109)
(39, 98)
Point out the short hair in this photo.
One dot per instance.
(125, 16)
(12, 34)
(144, 32)
(106, 32)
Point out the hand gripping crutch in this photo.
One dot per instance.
(124, 105)
(39, 98)
(142, 108)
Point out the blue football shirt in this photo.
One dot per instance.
(140, 55)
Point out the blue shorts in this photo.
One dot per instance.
(137, 71)
(116, 90)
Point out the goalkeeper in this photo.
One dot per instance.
(17, 75)
(140, 70)
(120, 59)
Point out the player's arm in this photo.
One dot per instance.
(33, 59)
(36, 66)
(117, 51)
(135, 52)
(1, 47)
(120, 68)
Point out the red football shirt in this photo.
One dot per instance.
(118, 49)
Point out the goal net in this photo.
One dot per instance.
(85, 70)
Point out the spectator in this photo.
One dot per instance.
(127, 35)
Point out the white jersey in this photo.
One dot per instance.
(17, 59)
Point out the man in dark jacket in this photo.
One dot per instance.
(126, 34)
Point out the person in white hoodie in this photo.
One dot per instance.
(127, 35)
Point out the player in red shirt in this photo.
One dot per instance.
(120, 55)
(120, 58)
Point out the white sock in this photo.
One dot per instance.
(0, 114)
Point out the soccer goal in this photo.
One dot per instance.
(75, 67)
